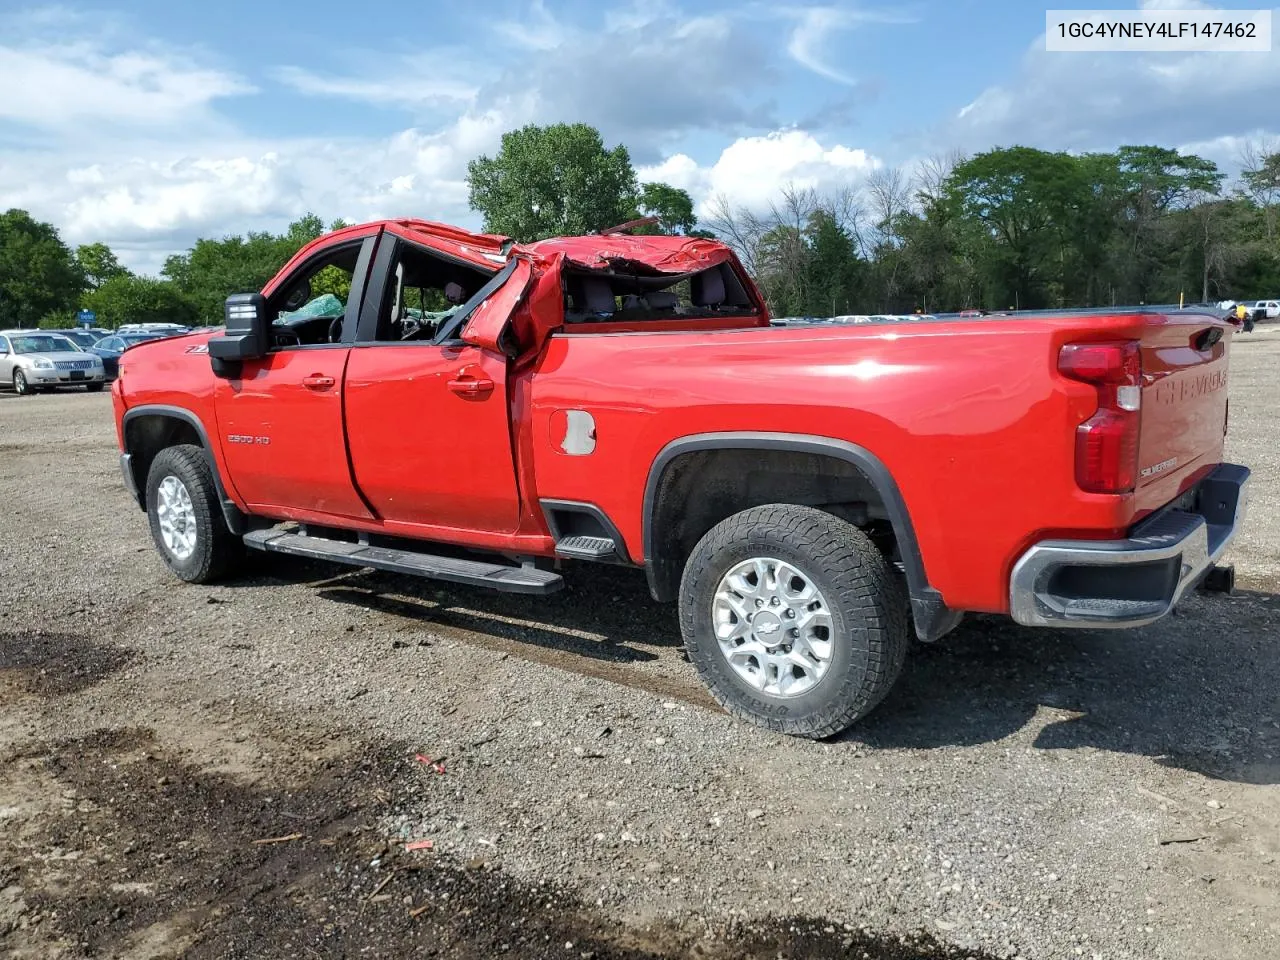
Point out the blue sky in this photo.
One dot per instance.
(147, 124)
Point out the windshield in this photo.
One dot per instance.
(44, 344)
(81, 337)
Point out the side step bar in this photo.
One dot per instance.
(587, 548)
(478, 573)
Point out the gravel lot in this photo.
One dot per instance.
(1023, 793)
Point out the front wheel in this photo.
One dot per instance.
(794, 619)
(20, 385)
(185, 515)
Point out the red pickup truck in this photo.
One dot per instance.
(811, 496)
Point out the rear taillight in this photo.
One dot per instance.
(1107, 443)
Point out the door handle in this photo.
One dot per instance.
(317, 382)
(465, 385)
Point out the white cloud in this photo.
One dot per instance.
(407, 83)
(82, 83)
(64, 72)
(809, 38)
(138, 199)
(148, 198)
(645, 76)
(752, 171)
(1089, 101)
(815, 27)
(539, 31)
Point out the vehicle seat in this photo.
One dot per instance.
(706, 289)
(662, 300)
(593, 299)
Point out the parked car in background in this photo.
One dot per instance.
(163, 329)
(38, 360)
(109, 349)
(84, 338)
(1266, 310)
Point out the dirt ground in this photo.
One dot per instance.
(236, 771)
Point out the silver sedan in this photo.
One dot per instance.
(43, 360)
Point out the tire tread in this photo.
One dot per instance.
(867, 591)
(216, 546)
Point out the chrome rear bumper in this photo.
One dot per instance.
(1131, 582)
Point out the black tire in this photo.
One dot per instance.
(20, 385)
(94, 387)
(866, 600)
(216, 548)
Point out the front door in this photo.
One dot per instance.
(428, 419)
(281, 427)
(280, 422)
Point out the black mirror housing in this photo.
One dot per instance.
(246, 336)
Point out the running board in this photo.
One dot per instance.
(477, 573)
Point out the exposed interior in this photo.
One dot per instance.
(426, 291)
(308, 308)
(595, 296)
(429, 289)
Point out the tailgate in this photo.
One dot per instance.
(1184, 401)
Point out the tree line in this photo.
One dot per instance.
(1011, 227)
(1019, 228)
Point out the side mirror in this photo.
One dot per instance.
(246, 336)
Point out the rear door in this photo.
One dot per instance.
(281, 421)
(428, 421)
(1184, 400)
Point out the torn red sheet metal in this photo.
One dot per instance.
(644, 254)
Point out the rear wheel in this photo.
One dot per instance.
(20, 385)
(186, 518)
(795, 621)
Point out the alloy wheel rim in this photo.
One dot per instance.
(177, 517)
(773, 626)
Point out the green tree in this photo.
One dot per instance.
(1027, 201)
(558, 180)
(1261, 180)
(835, 270)
(212, 270)
(98, 264)
(1165, 178)
(38, 273)
(125, 298)
(1154, 182)
(672, 206)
